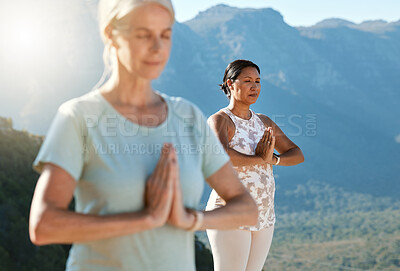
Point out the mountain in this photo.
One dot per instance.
(333, 87)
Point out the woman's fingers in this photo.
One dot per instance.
(174, 180)
(166, 189)
(263, 142)
(175, 165)
(270, 136)
(265, 136)
(266, 145)
(273, 143)
(160, 164)
(259, 147)
(161, 179)
(152, 184)
(178, 215)
(159, 188)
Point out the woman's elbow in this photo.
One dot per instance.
(38, 230)
(35, 235)
(301, 158)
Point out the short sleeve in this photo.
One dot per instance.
(63, 144)
(214, 155)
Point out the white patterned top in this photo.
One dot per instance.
(258, 179)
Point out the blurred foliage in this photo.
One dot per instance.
(6, 124)
(17, 182)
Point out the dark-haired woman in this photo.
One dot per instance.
(250, 140)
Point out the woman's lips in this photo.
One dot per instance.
(152, 63)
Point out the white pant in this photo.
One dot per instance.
(240, 250)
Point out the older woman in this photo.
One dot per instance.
(133, 158)
(250, 140)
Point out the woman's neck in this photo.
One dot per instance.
(124, 89)
(239, 109)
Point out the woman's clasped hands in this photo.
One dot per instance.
(163, 195)
(266, 145)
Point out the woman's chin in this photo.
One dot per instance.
(252, 99)
(150, 75)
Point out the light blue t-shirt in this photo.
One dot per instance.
(111, 157)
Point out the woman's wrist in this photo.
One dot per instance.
(197, 221)
(190, 221)
(151, 220)
(277, 159)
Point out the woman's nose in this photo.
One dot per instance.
(255, 85)
(156, 44)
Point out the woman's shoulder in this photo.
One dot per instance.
(265, 119)
(88, 103)
(182, 107)
(221, 118)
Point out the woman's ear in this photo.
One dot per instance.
(109, 34)
(229, 83)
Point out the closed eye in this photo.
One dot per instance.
(166, 34)
(142, 33)
(143, 36)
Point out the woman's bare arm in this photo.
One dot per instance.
(51, 222)
(290, 153)
(240, 208)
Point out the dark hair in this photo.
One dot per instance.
(233, 71)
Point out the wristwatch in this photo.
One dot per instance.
(278, 158)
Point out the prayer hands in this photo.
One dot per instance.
(159, 188)
(266, 145)
(163, 196)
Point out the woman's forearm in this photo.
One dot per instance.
(239, 159)
(239, 211)
(292, 157)
(60, 226)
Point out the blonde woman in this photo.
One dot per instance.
(250, 140)
(125, 153)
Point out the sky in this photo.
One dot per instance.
(303, 12)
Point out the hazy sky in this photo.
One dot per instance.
(303, 12)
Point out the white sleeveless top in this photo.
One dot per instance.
(258, 179)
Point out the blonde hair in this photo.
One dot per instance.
(112, 12)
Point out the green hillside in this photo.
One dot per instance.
(17, 182)
(346, 239)
(326, 228)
